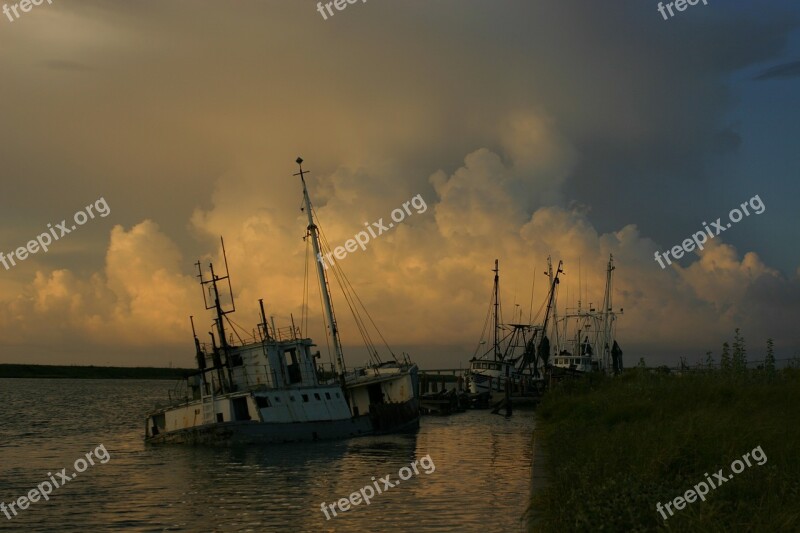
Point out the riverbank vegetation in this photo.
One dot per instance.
(617, 446)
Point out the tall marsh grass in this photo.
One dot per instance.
(617, 446)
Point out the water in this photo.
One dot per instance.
(480, 482)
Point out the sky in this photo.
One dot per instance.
(568, 129)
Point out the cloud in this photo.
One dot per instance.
(140, 299)
(427, 281)
(785, 70)
(578, 144)
(67, 65)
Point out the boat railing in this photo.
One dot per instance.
(289, 333)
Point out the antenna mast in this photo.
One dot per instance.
(217, 305)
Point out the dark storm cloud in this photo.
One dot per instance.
(786, 70)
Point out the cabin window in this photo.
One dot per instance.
(292, 365)
(262, 402)
(328, 395)
(220, 418)
(278, 399)
(337, 395)
(305, 398)
(291, 397)
(316, 396)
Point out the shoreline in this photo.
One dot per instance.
(22, 371)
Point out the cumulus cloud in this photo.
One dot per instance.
(140, 299)
(426, 282)
(578, 144)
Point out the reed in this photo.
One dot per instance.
(617, 446)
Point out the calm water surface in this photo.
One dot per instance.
(480, 483)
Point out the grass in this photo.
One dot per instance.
(617, 446)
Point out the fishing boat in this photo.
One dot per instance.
(586, 338)
(269, 388)
(515, 360)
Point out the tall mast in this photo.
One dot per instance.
(553, 282)
(323, 280)
(607, 310)
(496, 307)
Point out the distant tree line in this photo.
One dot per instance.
(733, 359)
(90, 372)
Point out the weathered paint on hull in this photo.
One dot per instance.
(256, 432)
(387, 418)
(395, 417)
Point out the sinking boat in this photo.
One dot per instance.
(269, 388)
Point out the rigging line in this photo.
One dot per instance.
(366, 312)
(326, 246)
(533, 286)
(304, 313)
(359, 324)
(366, 337)
(485, 323)
(233, 329)
(363, 330)
(327, 335)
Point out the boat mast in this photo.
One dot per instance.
(220, 312)
(607, 311)
(323, 281)
(496, 306)
(553, 283)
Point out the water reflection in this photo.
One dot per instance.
(480, 481)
